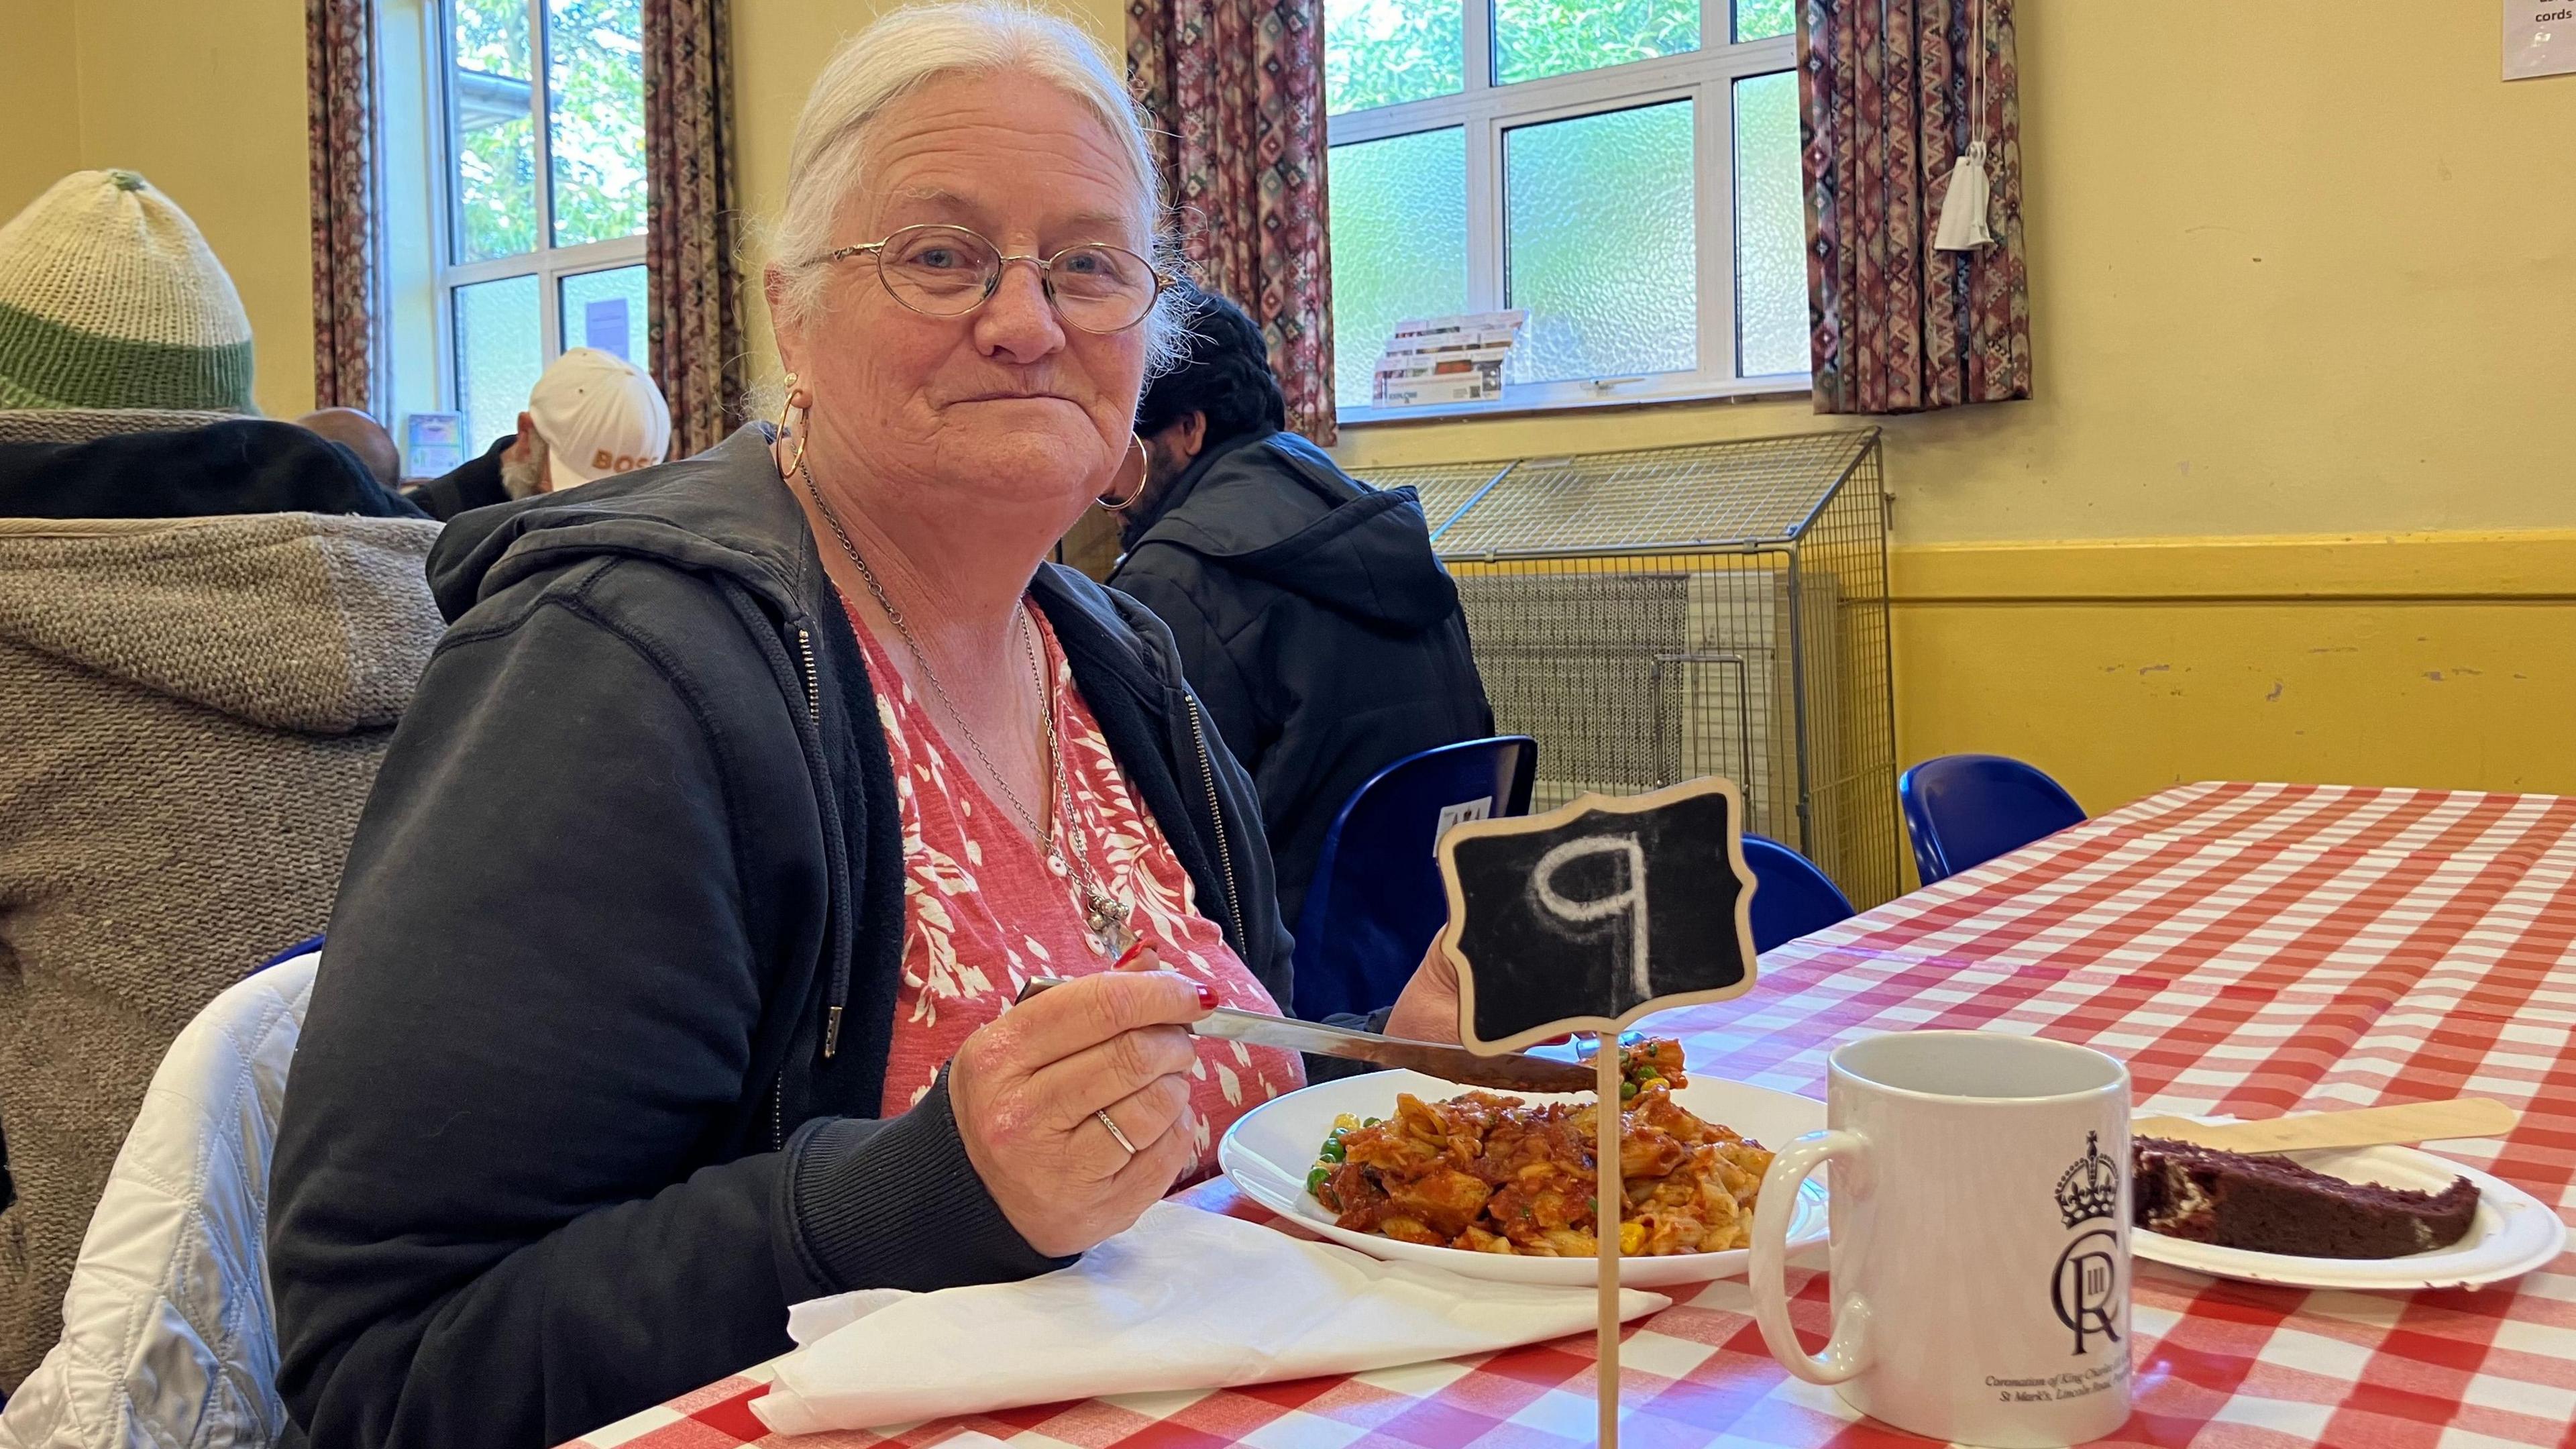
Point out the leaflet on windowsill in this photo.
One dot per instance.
(1436, 360)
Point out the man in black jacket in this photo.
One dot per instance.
(1313, 619)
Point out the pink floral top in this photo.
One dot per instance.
(985, 910)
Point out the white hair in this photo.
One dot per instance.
(907, 48)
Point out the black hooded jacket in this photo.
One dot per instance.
(1314, 621)
(588, 1091)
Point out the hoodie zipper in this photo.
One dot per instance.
(1216, 812)
(813, 686)
(814, 712)
(832, 1022)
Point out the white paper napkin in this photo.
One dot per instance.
(1183, 1300)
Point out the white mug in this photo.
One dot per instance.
(1980, 1212)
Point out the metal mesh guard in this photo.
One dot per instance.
(1445, 487)
(1758, 490)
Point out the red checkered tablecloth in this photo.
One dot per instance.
(2248, 949)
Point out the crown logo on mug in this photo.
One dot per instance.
(2091, 1188)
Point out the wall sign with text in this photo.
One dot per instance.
(2539, 38)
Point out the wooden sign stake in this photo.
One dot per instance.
(1609, 1211)
(1554, 929)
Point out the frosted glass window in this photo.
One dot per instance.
(1385, 52)
(606, 310)
(1770, 228)
(595, 118)
(1601, 246)
(1536, 38)
(496, 141)
(1762, 19)
(1399, 239)
(500, 350)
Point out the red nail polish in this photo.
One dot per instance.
(1207, 994)
(1130, 954)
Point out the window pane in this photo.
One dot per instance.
(1379, 52)
(1770, 228)
(606, 310)
(1599, 243)
(1399, 234)
(496, 145)
(1762, 19)
(1534, 38)
(499, 352)
(595, 116)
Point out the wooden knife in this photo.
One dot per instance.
(2351, 1127)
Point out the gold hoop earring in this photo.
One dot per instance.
(784, 408)
(1144, 463)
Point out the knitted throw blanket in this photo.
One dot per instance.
(194, 711)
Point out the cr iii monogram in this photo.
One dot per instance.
(2086, 1285)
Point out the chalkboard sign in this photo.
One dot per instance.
(1598, 912)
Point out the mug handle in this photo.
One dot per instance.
(1847, 1353)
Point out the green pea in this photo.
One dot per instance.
(1315, 1179)
(1627, 1090)
(1334, 1151)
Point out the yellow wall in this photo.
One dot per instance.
(2444, 660)
(779, 47)
(205, 98)
(39, 100)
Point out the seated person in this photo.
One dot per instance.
(591, 414)
(1322, 635)
(364, 437)
(667, 984)
(201, 663)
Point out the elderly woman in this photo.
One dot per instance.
(667, 982)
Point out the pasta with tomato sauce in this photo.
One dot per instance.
(1495, 1174)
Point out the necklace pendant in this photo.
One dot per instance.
(1108, 921)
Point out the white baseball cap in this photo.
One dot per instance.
(599, 414)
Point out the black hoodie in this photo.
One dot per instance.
(1314, 622)
(587, 1093)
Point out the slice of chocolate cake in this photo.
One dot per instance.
(2273, 1205)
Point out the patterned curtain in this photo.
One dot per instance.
(1891, 92)
(341, 131)
(694, 306)
(1233, 91)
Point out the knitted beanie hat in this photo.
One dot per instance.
(110, 299)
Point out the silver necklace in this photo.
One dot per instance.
(1104, 913)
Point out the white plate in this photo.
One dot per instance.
(1268, 1153)
(2512, 1234)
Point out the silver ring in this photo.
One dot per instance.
(1103, 1115)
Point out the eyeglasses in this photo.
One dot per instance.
(948, 271)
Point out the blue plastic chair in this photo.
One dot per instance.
(1376, 899)
(1791, 896)
(1964, 810)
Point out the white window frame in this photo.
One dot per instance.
(1486, 111)
(549, 264)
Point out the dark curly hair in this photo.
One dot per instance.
(1223, 371)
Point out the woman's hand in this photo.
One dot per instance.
(1428, 1009)
(1024, 1090)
